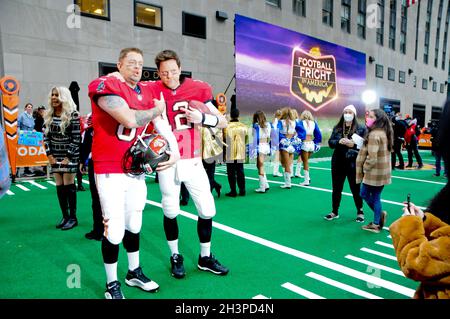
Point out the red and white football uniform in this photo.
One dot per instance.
(111, 139)
(122, 196)
(189, 169)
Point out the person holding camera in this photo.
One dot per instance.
(422, 239)
(343, 161)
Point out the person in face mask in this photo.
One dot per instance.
(373, 165)
(343, 162)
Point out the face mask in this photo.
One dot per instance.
(369, 122)
(348, 117)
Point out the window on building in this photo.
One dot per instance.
(194, 25)
(147, 15)
(392, 23)
(299, 7)
(415, 81)
(441, 88)
(391, 74)
(417, 30)
(403, 27)
(401, 76)
(346, 8)
(436, 112)
(327, 12)
(380, 29)
(378, 70)
(275, 3)
(444, 47)
(424, 84)
(427, 32)
(438, 33)
(361, 20)
(94, 8)
(434, 87)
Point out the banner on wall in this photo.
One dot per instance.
(277, 67)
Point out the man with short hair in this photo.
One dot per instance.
(186, 120)
(119, 112)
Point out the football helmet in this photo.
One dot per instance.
(144, 155)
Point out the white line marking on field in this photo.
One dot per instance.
(51, 183)
(342, 286)
(321, 189)
(301, 291)
(260, 297)
(22, 187)
(305, 256)
(36, 184)
(374, 252)
(372, 264)
(8, 192)
(85, 181)
(381, 243)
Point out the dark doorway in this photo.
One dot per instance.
(419, 114)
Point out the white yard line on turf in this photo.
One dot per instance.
(36, 184)
(301, 291)
(320, 189)
(342, 286)
(375, 265)
(305, 256)
(22, 187)
(393, 176)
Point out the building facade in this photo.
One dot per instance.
(44, 43)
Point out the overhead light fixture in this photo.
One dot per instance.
(220, 15)
(150, 10)
(371, 59)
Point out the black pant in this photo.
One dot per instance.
(339, 172)
(235, 172)
(210, 169)
(413, 147)
(184, 193)
(96, 208)
(397, 153)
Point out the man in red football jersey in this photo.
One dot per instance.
(186, 115)
(119, 112)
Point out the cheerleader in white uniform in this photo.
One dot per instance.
(289, 131)
(311, 141)
(262, 132)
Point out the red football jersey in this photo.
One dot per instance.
(187, 134)
(111, 140)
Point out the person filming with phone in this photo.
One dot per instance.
(422, 238)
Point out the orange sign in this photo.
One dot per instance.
(10, 98)
(27, 156)
(425, 140)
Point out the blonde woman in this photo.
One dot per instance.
(276, 160)
(311, 141)
(62, 139)
(262, 145)
(288, 131)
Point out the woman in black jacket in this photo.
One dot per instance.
(344, 142)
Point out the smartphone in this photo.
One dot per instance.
(408, 202)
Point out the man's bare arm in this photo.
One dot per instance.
(118, 108)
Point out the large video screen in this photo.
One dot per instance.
(277, 67)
